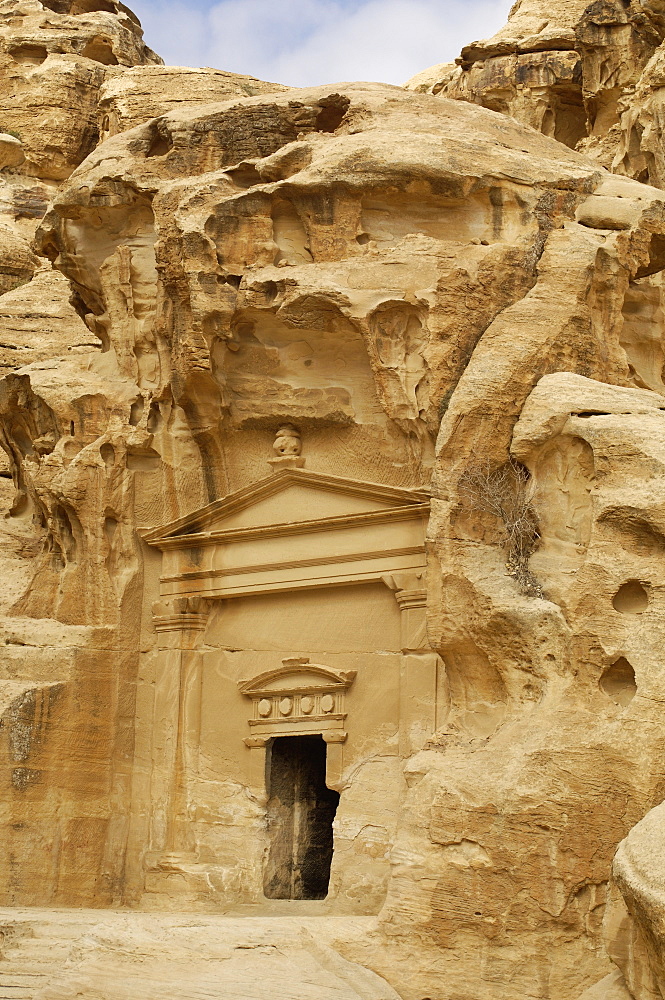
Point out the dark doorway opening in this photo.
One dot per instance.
(301, 810)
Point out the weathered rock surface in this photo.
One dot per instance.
(253, 341)
(60, 954)
(133, 96)
(587, 74)
(53, 64)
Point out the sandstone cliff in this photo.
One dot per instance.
(240, 323)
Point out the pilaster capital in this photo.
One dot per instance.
(409, 588)
(182, 614)
(410, 582)
(334, 736)
(408, 599)
(256, 742)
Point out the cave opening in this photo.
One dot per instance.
(301, 810)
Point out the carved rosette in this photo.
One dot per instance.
(298, 698)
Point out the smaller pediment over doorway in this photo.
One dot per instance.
(298, 698)
(297, 674)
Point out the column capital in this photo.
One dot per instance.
(411, 596)
(180, 614)
(412, 582)
(256, 742)
(411, 599)
(334, 736)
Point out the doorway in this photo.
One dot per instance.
(301, 810)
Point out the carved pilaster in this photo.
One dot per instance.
(179, 624)
(335, 759)
(257, 766)
(421, 667)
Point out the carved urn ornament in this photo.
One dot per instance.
(287, 447)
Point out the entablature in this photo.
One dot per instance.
(264, 539)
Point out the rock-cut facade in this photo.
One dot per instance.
(332, 548)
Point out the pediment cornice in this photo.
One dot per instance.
(297, 675)
(205, 526)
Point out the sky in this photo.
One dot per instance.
(304, 43)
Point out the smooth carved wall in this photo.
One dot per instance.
(304, 614)
(348, 629)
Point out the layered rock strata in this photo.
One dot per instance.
(253, 340)
(590, 75)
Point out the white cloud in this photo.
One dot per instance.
(308, 42)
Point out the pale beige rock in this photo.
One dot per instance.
(590, 75)
(431, 80)
(131, 97)
(17, 261)
(634, 928)
(368, 260)
(37, 322)
(612, 987)
(59, 954)
(566, 68)
(634, 144)
(11, 151)
(53, 64)
(333, 523)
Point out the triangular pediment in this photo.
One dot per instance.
(290, 496)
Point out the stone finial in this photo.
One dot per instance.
(287, 447)
(287, 441)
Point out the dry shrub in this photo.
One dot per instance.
(507, 492)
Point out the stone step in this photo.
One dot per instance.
(35, 947)
(34, 950)
(21, 990)
(127, 956)
(20, 978)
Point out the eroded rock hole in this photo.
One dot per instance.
(99, 50)
(571, 120)
(110, 528)
(64, 537)
(154, 421)
(160, 146)
(245, 175)
(640, 335)
(631, 598)
(136, 411)
(22, 441)
(289, 234)
(34, 54)
(270, 291)
(107, 452)
(333, 109)
(301, 810)
(618, 682)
